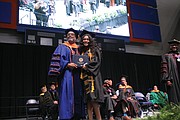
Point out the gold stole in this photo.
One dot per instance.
(90, 78)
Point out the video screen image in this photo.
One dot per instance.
(103, 16)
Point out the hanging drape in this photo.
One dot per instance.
(24, 68)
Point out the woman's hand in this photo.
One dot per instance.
(84, 66)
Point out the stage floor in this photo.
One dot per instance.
(39, 118)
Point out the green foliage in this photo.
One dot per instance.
(58, 25)
(123, 11)
(107, 15)
(88, 19)
(98, 19)
(169, 112)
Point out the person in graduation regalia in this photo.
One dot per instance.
(71, 104)
(170, 71)
(127, 104)
(47, 107)
(54, 94)
(91, 75)
(158, 98)
(110, 98)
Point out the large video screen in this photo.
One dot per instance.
(103, 16)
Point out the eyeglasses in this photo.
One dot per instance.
(72, 34)
(174, 44)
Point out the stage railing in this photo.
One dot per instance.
(14, 107)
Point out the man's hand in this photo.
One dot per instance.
(72, 65)
(56, 102)
(169, 83)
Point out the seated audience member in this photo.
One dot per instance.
(158, 98)
(110, 98)
(127, 102)
(46, 104)
(54, 95)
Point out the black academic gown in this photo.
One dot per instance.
(133, 105)
(93, 72)
(109, 102)
(170, 71)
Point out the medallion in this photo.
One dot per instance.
(178, 59)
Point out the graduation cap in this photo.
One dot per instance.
(124, 76)
(73, 30)
(87, 32)
(108, 78)
(106, 81)
(43, 85)
(174, 41)
(52, 83)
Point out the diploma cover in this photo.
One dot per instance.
(80, 60)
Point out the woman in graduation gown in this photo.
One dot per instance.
(91, 75)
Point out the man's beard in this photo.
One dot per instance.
(71, 40)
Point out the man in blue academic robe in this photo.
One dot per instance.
(71, 105)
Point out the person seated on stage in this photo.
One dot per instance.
(54, 95)
(110, 98)
(46, 104)
(127, 102)
(158, 98)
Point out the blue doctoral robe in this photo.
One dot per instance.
(70, 90)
